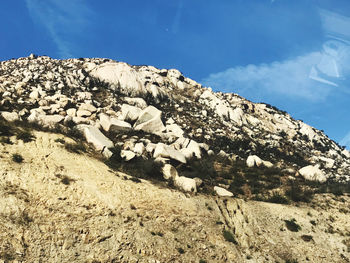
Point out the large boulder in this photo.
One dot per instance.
(94, 136)
(130, 113)
(254, 160)
(150, 120)
(113, 124)
(127, 155)
(185, 184)
(165, 151)
(169, 172)
(222, 191)
(313, 173)
(10, 116)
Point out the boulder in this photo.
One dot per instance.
(51, 120)
(87, 107)
(127, 155)
(138, 102)
(150, 120)
(185, 184)
(10, 116)
(169, 172)
(113, 124)
(222, 191)
(254, 160)
(139, 149)
(313, 173)
(83, 113)
(166, 151)
(130, 113)
(95, 137)
(72, 112)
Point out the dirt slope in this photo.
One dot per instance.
(58, 206)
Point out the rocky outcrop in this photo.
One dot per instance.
(313, 173)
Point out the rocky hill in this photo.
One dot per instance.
(102, 161)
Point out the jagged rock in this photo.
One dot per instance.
(166, 151)
(198, 181)
(169, 172)
(127, 155)
(313, 173)
(130, 113)
(151, 147)
(95, 137)
(222, 191)
(174, 130)
(10, 116)
(185, 184)
(107, 153)
(150, 120)
(112, 124)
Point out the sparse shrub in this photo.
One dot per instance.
(306, 238)
(65, 179)
(17, 158)
(25, 136)
(202, 261)
(180, 250)
(5, 140)
(277, 198)
(229, 237)
(292, 225)
(291, 260)
(75, 147)
(60, 140)
(297, 193)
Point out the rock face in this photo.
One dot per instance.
(206, 142)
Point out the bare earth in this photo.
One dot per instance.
(59, 206)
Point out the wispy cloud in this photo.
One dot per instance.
(346, 141)
(290, 77)
(311, 76)
(63, 19)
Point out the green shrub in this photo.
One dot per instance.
(229, 237)
(17, 158)
(75, 147)
(292, 225)
(277, 198)
(25, 136)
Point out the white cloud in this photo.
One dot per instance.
(63, 19)
(290, 77)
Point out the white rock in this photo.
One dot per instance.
(185, 184)
(236, 115)
(34, 95)
(175, 130)
(313, 173)
(139, 149)
(169, 172)
(10, 116)
(222, 191)
(130, 113)
(138, 102)
(127, 155)
(83, 113)
(166, 151)
(150, 120)
(87, 107)
(151, 147)
(113, 124)
(51, 120)
(267, 164)
(346, 153)
(96, 137)
(72, 112)
(253, 160)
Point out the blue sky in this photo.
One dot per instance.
(294, 54)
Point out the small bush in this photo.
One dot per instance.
(5, 140)
(181, 250)
(25, 136)
(64, 179)
(202, 261)
(229, 237)
(60, 140)
(75, 147)
(292, 225)
(277, 198)
(17, 158)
